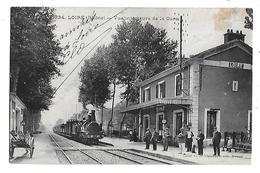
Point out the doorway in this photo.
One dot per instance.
(146, 122)
(159, 124)
(178, 122)
(212, 119)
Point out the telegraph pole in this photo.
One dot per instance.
(181, 48)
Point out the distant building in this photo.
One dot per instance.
(213, 89)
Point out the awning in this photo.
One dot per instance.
(172, 101)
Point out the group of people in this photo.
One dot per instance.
(185, 140)
(153, 137)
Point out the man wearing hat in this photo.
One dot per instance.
(155, 136)
(216, 140)
(200, 139)
(147, 138)
(166, 135)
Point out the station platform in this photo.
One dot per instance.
(45, 153)
(236, 158)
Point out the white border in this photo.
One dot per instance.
(5, 28)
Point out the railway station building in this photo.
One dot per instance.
(214, 89)
(16, 113)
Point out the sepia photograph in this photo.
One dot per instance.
(130, 85)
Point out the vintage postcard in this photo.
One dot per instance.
(118, 85)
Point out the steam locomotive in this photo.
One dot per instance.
(86, 131)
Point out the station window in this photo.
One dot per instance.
(235, 86)
(160, 90)
(178, 85)
(143, 96)
(147, 94)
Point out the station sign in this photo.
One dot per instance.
(236, 65)
(228, 64)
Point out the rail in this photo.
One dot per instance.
(77, 149)
(62, 150)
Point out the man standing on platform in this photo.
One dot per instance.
(147, 138)
(135, 136)
(155, 136)
(189, 140)
(216, 140)
(200, 139)
(166, 135)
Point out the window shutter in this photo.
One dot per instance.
(149, 94)
(178, 85)
(163, 90)
(143, 95)
(157, 91)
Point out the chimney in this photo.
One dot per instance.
(230, 35)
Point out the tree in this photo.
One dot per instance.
(94, 88)
(34, 56)
(249, 19)
(139, 52)
(113, 78)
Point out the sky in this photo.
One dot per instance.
(203, 29)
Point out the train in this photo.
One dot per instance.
(86, 131)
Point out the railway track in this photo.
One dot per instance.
(67, 153)
(62, 151)
(100, 143)
(70, 154)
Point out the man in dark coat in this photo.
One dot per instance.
(135, 136)
(200, 139)
(189, 136)
(216, 140)
(166, 136)
(147, 138)
(155, 136)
